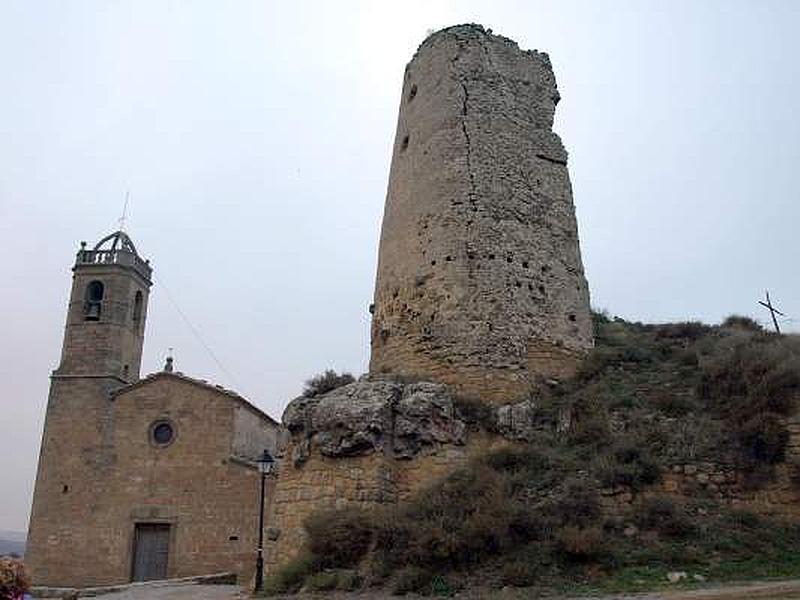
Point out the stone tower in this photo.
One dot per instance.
(102, 352)
(480, 282)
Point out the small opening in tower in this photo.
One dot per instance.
(404, 144)
(93, 301)
(572, 318)
(65, 489)
(137, 309)
(412, 93)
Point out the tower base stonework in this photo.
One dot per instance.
(369, 444)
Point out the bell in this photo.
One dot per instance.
(93, 311)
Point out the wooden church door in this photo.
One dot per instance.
(150, 551)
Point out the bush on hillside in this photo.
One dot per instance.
(326, 382)
(340, 538)
(758, 374)
(580, 544)
(628, 463)
(687, 330)
(742, 322)
(663, 515)
(455, 523)
(478, 415)
(290, 577)
(764, 438)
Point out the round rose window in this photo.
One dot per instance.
(162, 433)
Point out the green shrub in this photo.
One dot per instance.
(741, 519)
(742, 322)
(478, 414)
(661, 514)
(590, 424)
(349, 581)
(687, 357)
(457, 522)
(290, 577)
(325, 382)
(672, 404)
(596, 363)
(327, 580)
(411, 579)
(580, 544)
(441, 586)
(628, 463)
(520, 572)
(322, 582)
(578, 504)
(340, 538)
(518, 460)
(759, 374)
(687, 330)
(764, 438)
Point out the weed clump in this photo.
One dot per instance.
(663, 515)
(340, 538)
(742, 322)
(326, 382)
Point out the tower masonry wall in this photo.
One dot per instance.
(480, 283)
(111, 345)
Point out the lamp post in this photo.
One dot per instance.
(265, 464)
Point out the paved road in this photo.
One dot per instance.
(177, 592)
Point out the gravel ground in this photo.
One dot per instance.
(784, 590)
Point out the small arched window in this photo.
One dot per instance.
(137, 310)
(93, 301)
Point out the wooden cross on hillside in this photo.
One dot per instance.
(772, 311)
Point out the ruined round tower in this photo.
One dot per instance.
(480, 283)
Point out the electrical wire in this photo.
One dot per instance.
(197, 335)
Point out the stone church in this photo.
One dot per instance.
(138, 478)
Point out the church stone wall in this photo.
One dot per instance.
(82, 532)
(76, 464)
(480, 282)
(252, 434)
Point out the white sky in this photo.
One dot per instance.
(255, 140)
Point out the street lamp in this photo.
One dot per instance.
(265, 465)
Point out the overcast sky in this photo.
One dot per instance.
(254, 139)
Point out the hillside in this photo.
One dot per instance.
(12, 542)
(669, 454)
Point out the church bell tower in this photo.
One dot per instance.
(102, 351)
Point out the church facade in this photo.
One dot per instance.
(139, 478)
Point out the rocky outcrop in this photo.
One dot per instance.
(368, 416)
(398, 419)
